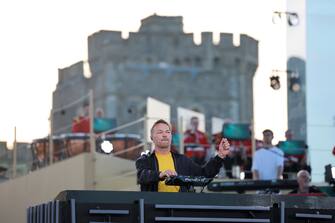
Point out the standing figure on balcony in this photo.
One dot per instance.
(196, 143)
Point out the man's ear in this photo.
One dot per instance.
(151, 137)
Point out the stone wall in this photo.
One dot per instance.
(163, 62)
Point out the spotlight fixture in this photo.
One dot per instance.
(274, 82)
(295, 84)
(294, 81)
(292, 17)
(104, 145)
(107, 146)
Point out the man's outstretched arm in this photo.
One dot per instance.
(212, 167)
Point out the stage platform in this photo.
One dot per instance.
(122, 206)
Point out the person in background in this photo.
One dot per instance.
(81, 123)
(303, 179)
(99, 113)
(268, 161)
(196, 142)
(3, 171)
(40, 158)
(289, 134)
(175, 143)
(153, 169)
(295, 163)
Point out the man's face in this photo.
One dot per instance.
(267, 137)
(161, 136)
(288, 134)
(303, 180)
(39, 148)
(195, 123)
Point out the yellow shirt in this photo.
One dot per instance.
(165, 162)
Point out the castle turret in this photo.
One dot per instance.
(162, 24)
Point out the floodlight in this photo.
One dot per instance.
(107, 146)
(292, 19)
(295, 84)
(274, 82)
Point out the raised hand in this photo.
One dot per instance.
(223, 148)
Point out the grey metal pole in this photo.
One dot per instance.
(91, 172)
(145, 133)
(282, 212)
(253, 140)
(91, 116)
(14, 154)
(51, 142)
(181, 135)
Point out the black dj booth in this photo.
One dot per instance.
(121, 206)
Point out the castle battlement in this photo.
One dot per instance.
(206, 38)
(162, 38)
(162, 61)
(71, 73)
(226, 40)
(162, 24)
(249, 44)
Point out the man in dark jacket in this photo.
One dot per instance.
(154, 168)
(303, 179)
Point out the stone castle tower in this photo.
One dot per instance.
(163, 62)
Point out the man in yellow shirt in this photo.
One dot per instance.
(154, 168)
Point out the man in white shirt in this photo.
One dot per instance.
(268, 162)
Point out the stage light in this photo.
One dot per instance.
(242, 175)
(145, 153)
(293, 80)
(274, 82)
(295, 84)
(291, 17)
(107, 146)
(276, 17)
